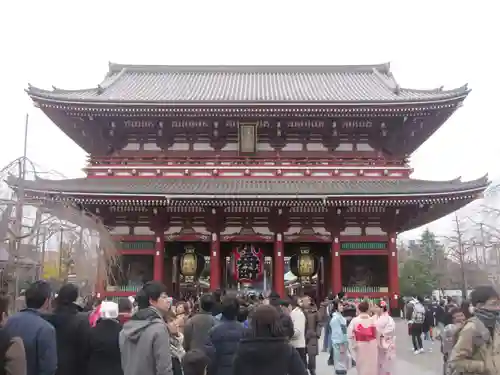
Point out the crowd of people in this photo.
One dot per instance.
(360, 334)
(469, 333)
(222, 333)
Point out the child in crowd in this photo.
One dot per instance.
(176, 340)
(195, 362)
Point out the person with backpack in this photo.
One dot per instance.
(38, 335)
(476, 348)
(417, 324)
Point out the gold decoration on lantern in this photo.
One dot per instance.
(305, 263)
(189, 262)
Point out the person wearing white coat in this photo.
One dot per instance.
(298, 340)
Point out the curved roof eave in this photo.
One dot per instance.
(38, 96)
(276, 196)
(477, 186)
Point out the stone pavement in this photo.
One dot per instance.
(428, 363)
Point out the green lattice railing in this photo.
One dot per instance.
(365, 289)
(136, 245)
(363, 245)
(124, 288)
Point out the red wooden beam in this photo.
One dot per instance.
(246, 238)
(133, 237)
(137, 252)
(372, 238)
(307, 238)
(273, 156)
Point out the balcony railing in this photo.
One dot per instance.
(243, 161)
(365, 289)
(124, 288)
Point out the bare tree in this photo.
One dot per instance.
(487, 222)
(47, 218)
(458, 250)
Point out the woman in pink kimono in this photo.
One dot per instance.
(362, 335)
(386, 329)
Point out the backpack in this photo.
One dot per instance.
(479, 339)
(418, 317)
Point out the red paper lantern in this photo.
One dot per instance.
(248, 263)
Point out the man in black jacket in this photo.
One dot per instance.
(197, 327)
(223, 339)
(72, 332)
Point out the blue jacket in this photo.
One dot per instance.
(39, 339)
(338, 329)
(221, 346)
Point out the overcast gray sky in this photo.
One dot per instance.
(432, 44)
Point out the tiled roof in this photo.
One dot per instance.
(242, 187)
(247, 85)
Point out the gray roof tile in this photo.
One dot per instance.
(248, 186)
(248, 85)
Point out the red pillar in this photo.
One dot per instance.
(215, 266)
(336, 270)
(279, 266)
(159, 259)
(393, 271)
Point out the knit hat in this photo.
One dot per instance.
(108, 310)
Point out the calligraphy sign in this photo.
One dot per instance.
(248, 138)
(248, 263)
